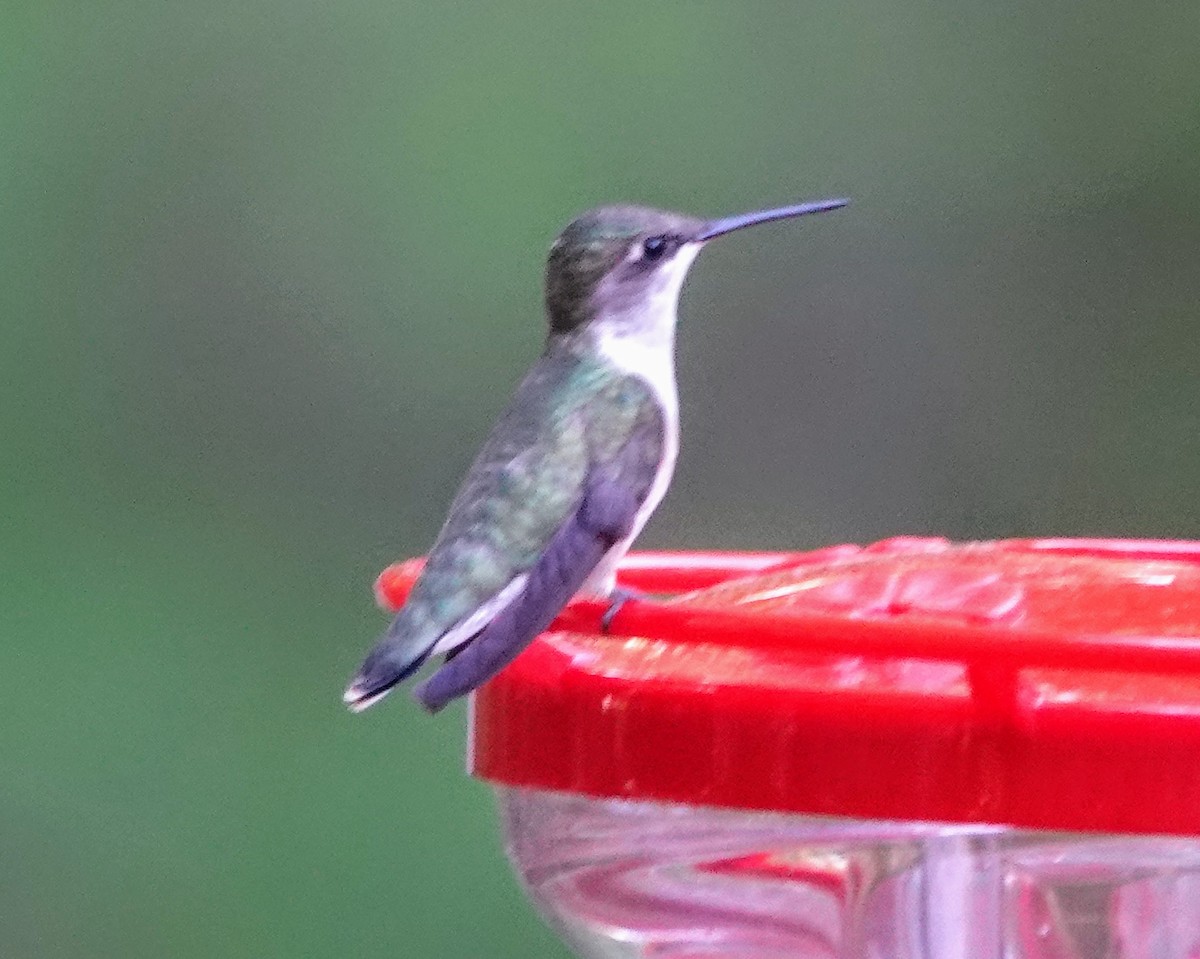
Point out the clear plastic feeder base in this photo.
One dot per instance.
(632, 878)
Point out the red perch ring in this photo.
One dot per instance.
(1049, 683)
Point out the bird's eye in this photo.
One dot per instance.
(654, 247)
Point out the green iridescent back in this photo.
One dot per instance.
(569, 413)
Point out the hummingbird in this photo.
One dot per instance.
(575, 465)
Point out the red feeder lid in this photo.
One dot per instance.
(1039, 683)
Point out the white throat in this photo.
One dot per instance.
(641, 340)
(642, 343)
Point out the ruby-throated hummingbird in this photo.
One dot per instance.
(573, 468)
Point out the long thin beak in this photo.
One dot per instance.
(728, 224)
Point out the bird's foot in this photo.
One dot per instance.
(616, 599)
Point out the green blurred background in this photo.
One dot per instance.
(270, 269)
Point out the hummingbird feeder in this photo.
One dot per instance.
(910, 750)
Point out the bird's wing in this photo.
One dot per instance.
(613, 492)
(567, 417)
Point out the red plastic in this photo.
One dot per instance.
(1037, 683)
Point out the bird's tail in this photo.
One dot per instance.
(394, 658)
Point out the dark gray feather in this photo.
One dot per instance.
(614, 492)
(570, 416)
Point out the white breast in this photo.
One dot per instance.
(646, 348)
